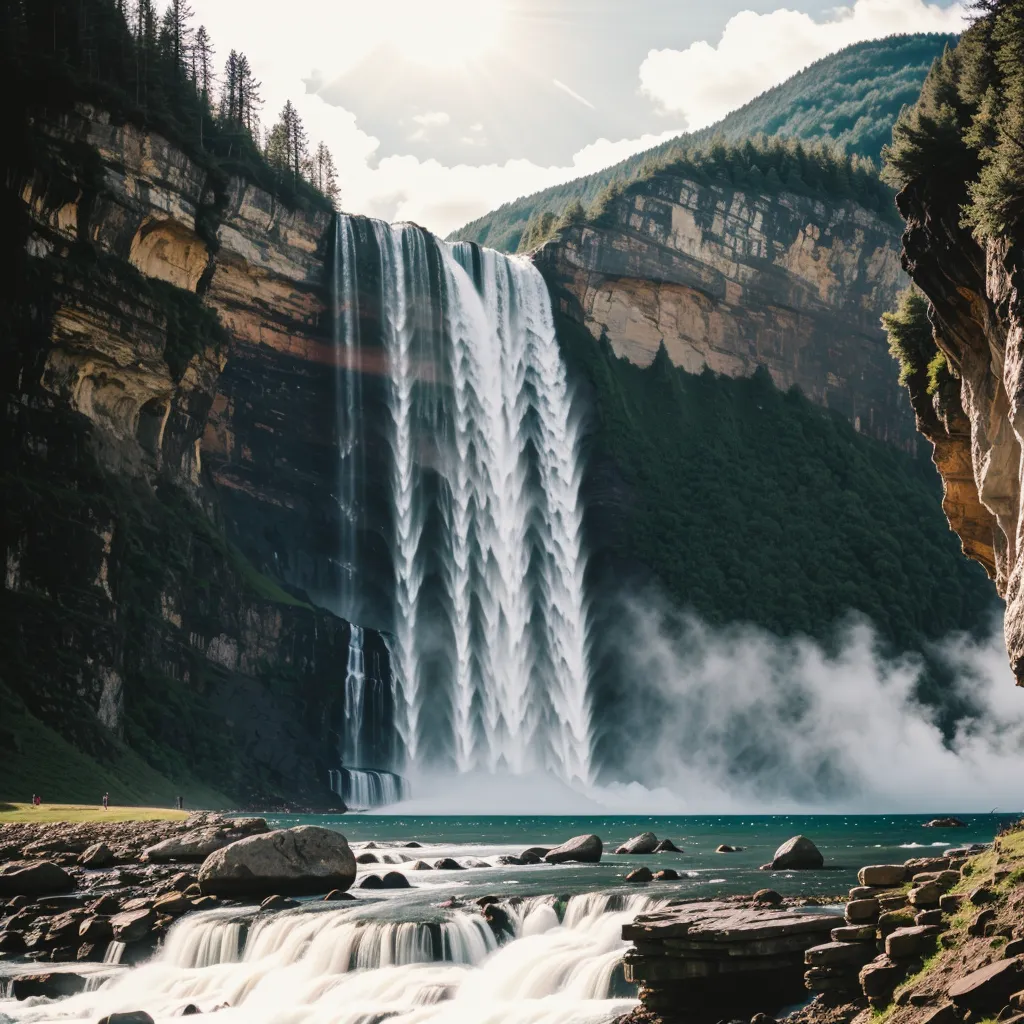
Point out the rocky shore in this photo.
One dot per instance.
(70, 892)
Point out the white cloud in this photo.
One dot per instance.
(433, 119)
(757, 51)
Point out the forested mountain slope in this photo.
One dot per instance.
(851, 97)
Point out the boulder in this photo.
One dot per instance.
(99, 855)
(580, 849)
(334, 896)
(395, 880)
(49, 986)
(945, 823)
(95, 929)
(667, 846)
(131, 1017)
(371, 882)
(419, 865)
(642, 874)
(367, 858)
(854, 933)
(885, 875)
(862, 911)
(982, 896)
(987, 991)
(447, 864)
(914, 941)
(925, 896)
(20, 878)
(530, 858)
(839, 954)
(928, 917)
(646, 842)
(300, 861)
(769, 897)
(172, 903)
(132, 925)
(725, 848)
(540, 852)
(499, 921)
(797, 854)
(950, 903)
(196, 845)
(879, 978)
(666, 875)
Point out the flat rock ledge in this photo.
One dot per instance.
(734, 960)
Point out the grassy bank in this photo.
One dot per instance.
(46, 813)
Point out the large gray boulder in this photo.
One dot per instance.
(301, 861)
(797, 854)
(198, 843)
(582, 849)
(646, 842)
(24, 878)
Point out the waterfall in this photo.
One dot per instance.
(343, 964)
(363, 788)
(489, 651)
(355, 694)
(348, 404)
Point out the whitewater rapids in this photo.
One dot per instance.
(355, 964)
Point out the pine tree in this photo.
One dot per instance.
(202, 62)
(324, 174)
(249, 100)
(176, 20)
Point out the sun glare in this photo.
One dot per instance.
(446, 32)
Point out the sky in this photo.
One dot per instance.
(438, 111)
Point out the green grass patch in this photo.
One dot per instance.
(46, 813)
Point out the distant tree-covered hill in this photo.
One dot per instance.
(852, 98)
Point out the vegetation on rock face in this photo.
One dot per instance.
(966, 131)
(850, 99)
(751, 504)
(912, 343)
(157, 74)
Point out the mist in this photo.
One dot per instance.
(737, 720)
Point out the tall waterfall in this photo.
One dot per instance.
(489, 614)
(349, 410)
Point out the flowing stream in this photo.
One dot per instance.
(357, 963)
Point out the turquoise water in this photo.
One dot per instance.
(846, 841)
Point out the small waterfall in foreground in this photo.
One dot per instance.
(343, 965)
(490, 620)
(363, 788)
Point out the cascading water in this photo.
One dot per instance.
(490, 620)
(348, 404)
(338, 965)
(355, 694)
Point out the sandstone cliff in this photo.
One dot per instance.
(143, 289)
(977, 425)
(731, 281)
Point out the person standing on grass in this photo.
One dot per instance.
(106, 800)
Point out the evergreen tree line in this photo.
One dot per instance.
(162, 73)
(761, 165)
(965, 133)
(850, 99)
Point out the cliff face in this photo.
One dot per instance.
(730, 281)
(977, 314)
(145, 291)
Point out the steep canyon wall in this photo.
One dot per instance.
(731, 280)
(163, 324)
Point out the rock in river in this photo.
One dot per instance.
(797, 854)
(582, 849)
(22, 878)
(646, 842)
(298, 861)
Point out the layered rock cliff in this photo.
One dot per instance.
(144, 289)
(732, 280)
(976, 425)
